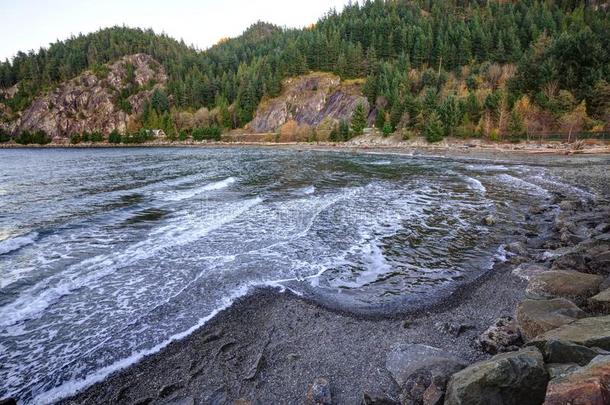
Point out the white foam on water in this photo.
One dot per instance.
(522, 184)
(34, 301)
(375, 265)
(184, 195)
(16, 243)
(475, 184)
(306, 190)
(545, 179)
(380, 163)
(72, 387)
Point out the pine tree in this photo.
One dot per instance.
(358, 119)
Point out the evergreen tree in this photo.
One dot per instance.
(358, 119)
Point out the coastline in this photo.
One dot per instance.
(268, 346)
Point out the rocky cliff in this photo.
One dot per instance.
(309, 100)
(104, 100)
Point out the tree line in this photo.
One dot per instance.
(458, 67)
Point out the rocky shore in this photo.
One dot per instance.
(535, 329)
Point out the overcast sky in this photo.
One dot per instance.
(30, 24)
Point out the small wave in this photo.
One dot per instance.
(381, 163)
(306, 190)
(184, 195)
(475, 184)
(523, 184)
(10, 245)
(34, 301)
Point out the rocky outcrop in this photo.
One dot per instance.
(601, 301)
(538, 316)
(89, 102)
(308, 100)
(508, 378)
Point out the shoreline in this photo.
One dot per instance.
(268, 346)
(461, 146)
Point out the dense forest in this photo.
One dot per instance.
(443, 68)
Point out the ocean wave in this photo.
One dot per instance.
(32, 302)
(475, 184)
(306, 190)
(16, 243)
(184, 195)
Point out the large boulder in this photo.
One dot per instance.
(562, 352)
(509, 378)
(538, 316)
(567, 284)
(526, 271)
(590, 332)
(422, 372)
(587, 385)
(502, 336)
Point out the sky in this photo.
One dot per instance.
(31, 24)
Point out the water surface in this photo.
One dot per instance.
(107, 255)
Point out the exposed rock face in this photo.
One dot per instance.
(590, 332)
(566, 284)
(308, 100)
(89, 103)
(538, 316)
(508, 378)
(587, 385)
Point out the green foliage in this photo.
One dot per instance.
(434, 129)
(115, 137)
(207, 133)
(387, 129)
(183, 136)
(37, 137)
(358, 120)
(97, 137)
(4, 137)
(75, 139)
(380, 118)
(562, 43)
(515, 126)
(344, 132)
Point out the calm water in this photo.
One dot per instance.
(107, 255)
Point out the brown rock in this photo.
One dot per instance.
(590, 332)
(538, 316)
(318, 393)
(502, 336)
(587, 385)
(566, 284)
(601, 301)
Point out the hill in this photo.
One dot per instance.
(472, 68)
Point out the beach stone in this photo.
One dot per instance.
(318, 393)
(557, 370)
(508, 378)
(422, 372)
(586, 385)
(559, 351)
(526, 271)
(601, 301)
(566, 284)
(489, 220)
(502, 336)
(538, 316)
(188, 400)
(517, 248)
(8, 401)
(371, 399)
(590, 332)
(453, 329)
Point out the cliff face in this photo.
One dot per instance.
(90, 102)
(308, 100)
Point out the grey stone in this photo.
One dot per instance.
(538, 316)
(502, 336)
(319, 393)
(516, 378)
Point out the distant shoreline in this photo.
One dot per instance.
(460, 146)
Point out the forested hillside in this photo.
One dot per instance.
(460, 67)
